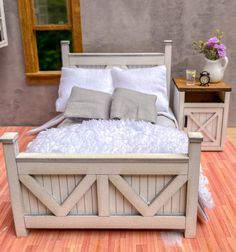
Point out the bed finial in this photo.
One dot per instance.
(9, 137)
(65, 50)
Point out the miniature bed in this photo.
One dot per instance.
(138, 191)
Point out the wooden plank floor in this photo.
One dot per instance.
(231, 132)
(219, 234)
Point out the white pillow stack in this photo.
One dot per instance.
(150, 80)
(146, 80)
(94, 79)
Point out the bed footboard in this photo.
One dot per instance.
(149, 191)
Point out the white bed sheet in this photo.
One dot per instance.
(165, 119)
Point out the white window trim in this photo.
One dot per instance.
(3, 32)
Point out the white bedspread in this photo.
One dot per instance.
(112, 136)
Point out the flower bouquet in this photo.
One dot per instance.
(215, 55)
(213, 49)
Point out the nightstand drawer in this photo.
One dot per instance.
(208, 121)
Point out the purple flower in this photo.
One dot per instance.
(212, 41)
(221, 49)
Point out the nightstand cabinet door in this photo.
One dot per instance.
(208, 121)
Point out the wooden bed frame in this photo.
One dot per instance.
(131, 191)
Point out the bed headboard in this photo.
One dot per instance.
(131, 60)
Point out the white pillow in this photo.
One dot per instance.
(93, 79)
(147, 80)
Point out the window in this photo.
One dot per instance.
(44, 23)
(3, 29)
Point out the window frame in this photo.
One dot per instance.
(3, 42)
(28, 31)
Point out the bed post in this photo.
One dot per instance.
(10, 148)
(195, 139)
(168, 53)
(65, 50)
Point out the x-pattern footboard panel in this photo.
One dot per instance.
(148, 209)
(61, 181)
(143, 207)
(51, 203)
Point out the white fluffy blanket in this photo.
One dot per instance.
(117, 136)
(112, 136)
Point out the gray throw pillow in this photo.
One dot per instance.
(88, 104)
(129, 104)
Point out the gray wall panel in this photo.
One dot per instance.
(118, 26)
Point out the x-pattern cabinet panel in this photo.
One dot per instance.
(203, 109)
(206, 120)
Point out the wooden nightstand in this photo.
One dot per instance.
(203, 109)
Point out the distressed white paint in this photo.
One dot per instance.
(134, 197)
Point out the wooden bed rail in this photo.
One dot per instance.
(102, 169)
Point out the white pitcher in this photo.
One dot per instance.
(216, 68)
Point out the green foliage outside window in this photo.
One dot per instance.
(49, 48)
